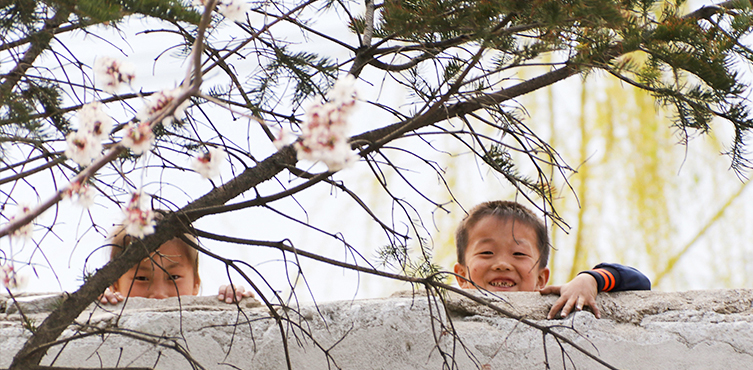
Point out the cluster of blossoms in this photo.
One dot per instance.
(324, 132)
(234, 10)
(208, 164)
(138, 222)
(139, 136)
(11, 279)
(112, 73)
(25, 231)
(85, 144)
(159, 102)
(81, 193)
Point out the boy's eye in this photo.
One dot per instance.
(141, 278)
(174, 277)
(519, 254)
(487, 252)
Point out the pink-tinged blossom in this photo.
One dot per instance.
(11, 279)
(324, 132)
(160, 101)
(94, 120)
(233, 10)
(208, 164)
(283, 137)
(344, 92)
(112, 73)
(83, 194)
(24, 232)
(138, 222)
(138, 137)
(82, 148)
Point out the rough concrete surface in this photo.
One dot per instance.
(638, 330)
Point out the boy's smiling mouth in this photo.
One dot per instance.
(502, 283)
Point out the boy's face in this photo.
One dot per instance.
(502, 255)
(175, 277)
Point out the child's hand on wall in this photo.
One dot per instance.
(579, 292)
(111, 297)
(226, 293)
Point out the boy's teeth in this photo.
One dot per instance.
(502, 283)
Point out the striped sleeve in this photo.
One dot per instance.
(612, 277)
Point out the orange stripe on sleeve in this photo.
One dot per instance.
(604, 276)
(609, 279)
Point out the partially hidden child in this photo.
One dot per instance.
(504, 246)
(171, 271)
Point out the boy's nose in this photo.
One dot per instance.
(159, 290)
(501, 264)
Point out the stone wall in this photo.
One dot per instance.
(638, 330)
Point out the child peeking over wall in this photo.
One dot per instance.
(171, 271)
(504, 246)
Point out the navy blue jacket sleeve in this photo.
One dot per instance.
(613, 277)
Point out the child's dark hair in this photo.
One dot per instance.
(504, 210)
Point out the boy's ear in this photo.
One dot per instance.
(543, 278)
(196, 285)
(462, 271)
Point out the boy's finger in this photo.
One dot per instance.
(568, 306)
(552, 289)
(595, 309)
(555, 308)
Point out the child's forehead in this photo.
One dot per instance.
(486, 224)
(172, 251)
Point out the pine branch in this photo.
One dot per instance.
(40, 43)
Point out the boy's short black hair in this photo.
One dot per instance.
(504, 210)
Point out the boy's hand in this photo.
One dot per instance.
(110, 297)
(226, 293)
(579, 292)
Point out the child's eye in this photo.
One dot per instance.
(519, 254)
(174, 277)
(141, 278)
(487, 253)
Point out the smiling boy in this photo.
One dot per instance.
(503, 246)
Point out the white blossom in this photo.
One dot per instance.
(83, 194)
(233, 10)
(138, 222)
(24, 232)
(138, 137)
(111, 73)
(343, 93)
(94, 120)
(11, 279)
(283, 137)
(208, 164)
(324, 132)
(160, 101)
(82, 148)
